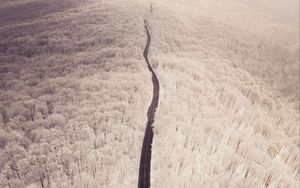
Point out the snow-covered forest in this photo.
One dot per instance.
(229, 111)
(75, 89)
(73, 93)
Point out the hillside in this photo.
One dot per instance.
(74, 93)
(75, 90)
(229, 111)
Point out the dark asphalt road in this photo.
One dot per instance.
(145, 161)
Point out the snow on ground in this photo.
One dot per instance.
(229, 113)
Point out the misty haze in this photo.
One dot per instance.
(149, 93)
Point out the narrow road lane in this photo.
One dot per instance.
(145, 161)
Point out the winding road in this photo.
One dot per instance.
(145, 161)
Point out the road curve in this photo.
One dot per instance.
(145, 161)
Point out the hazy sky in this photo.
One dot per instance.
(284, 10)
